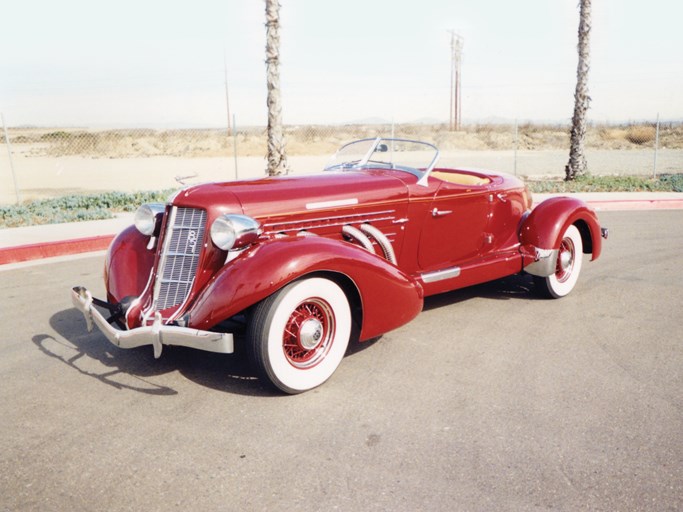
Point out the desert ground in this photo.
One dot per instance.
(55, 162)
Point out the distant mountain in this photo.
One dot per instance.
(370, 120)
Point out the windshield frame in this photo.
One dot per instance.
(384, 145)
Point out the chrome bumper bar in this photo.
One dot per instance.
(156, 334)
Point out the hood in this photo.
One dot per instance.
(286, 195)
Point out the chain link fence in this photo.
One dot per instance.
(49, 162)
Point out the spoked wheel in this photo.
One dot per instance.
(298, 336)
(567, 268)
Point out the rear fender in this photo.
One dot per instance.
(544, 227)
(389, 297)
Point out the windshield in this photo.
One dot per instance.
(418, 158)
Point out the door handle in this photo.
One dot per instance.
(440, 213)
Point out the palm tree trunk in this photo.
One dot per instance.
(577, 158)
(277, 159)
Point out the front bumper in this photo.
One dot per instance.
(156, 334)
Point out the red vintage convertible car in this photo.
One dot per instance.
(295, 266)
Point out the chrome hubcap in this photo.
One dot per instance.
(311, 333)
(565, 260)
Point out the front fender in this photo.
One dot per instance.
(389, 297)
(545, 226)
(128, 265)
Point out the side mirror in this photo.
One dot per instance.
(382, 148)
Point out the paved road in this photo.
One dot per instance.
(489, 400)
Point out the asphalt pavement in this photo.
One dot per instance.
(490, 400)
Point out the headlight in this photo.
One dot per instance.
(232, 231)
(148, 217)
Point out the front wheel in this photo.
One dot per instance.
(298, 336)
(567, 268)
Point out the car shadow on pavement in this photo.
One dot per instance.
(519, 286)
(91, 354)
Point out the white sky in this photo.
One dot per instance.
(160, 63)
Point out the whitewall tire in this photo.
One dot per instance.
(298, 336)
(567, 267)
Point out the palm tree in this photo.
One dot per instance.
(577, 158)
(277, 159)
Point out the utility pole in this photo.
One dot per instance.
(457, 42)
(227, 96)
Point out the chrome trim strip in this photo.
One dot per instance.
(321, 222)
(440, 275)
(332, 204)
(156, 334)
(336, 217)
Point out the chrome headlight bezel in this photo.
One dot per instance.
(233, 231)
(148, 218)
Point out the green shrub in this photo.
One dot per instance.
(664, 183)
(75, 208)
(673, 181)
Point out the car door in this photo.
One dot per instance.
(454, 230)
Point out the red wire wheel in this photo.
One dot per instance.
(309, 333)
(298, 336)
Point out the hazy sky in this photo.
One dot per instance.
(161, 63)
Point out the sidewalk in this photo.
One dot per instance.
(51, 240)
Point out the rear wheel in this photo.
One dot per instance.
(298, 336)
(567, 267)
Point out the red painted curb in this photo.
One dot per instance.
(637, 204)
(51, 249)
(633, 204)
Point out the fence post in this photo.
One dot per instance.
(654, 168)
(11, 162)
(234, 144)
(514, 165)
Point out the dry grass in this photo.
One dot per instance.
(641, 134)
(323, 140)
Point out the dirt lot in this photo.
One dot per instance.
(55, 162)
(323, 140)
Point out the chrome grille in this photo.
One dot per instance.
(180, 256)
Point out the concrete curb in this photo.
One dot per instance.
(66, 239)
